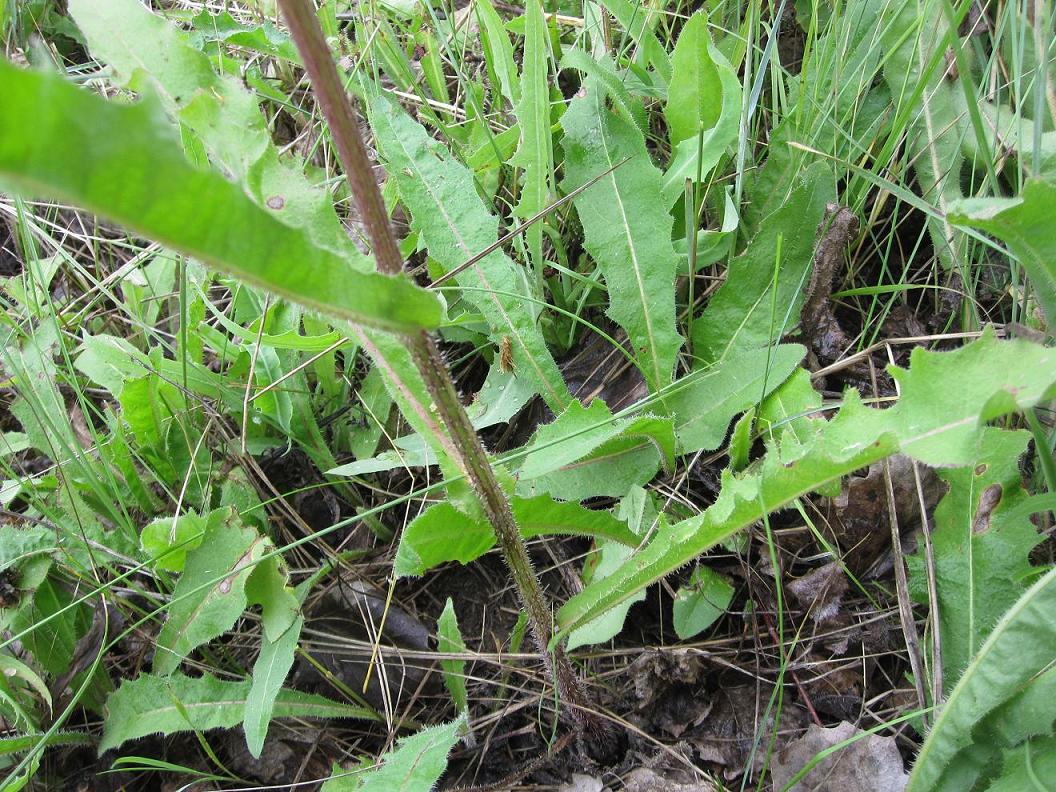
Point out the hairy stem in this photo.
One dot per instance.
(473, 460)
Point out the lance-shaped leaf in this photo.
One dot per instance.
(1012, 660)
(982, 544)
(627, 228)
(443, 533)
(152, 704)
(704, 99)
(211, 594)
(146, 50)
(745, 312)
(1025, 224)
(455, 225)
(269, 672)
(933, 423)
(535, 154)
(416, 763)
(123, 162)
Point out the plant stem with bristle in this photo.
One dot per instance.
(473, 460)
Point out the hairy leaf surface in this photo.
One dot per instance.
(932, 423)
(627, 228)
(124, 162)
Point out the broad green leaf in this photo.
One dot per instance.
(415, 764)
(694, 100)
(1021, 646)
(122, 161)
(211, 594)
(700, 602)
(703, 109)
(627, 229)
(264, 38)
(167, 540)
(269, 672)
(455, 225)
(745, 312)
(535, 154)
(153, 704)
(933, 423)
(449, 641)
(146, 50)
(981, 548)
(443, 533)
(1025, 225)
(705, 401)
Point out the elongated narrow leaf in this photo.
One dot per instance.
(498, 50)
(705, 401)
(1025, 224)
(443, 533)
(455, 225)
(981, 547)
(1022, 644)
(415, 764)
(145, 49)
(695, 99)
(151, 704)
(449, 640)
(269, 672)
(211, 593)
(124, 162)
(627, 229)
(535, 154)
(932, 423)
(638, 20)
(703, 109)
(745, 312)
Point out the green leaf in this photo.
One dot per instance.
(705, 401)
(627, 229)
(443, 533)
(788, 412)
(268, 585)
(535, 154)
(153, 704)
(166, 540)
(449, 641)
(147, 51)
(695, 93)
(933, 423)
(604, 71)
(122, 161)
(269, 672)
(745, 312)
(701, 602)
(982, 544)
(1021, 645)
(1025, 225)
(498, 51)
(639, 21)
(455, 225)
(586, 452)
(211, 594)
(703, 109)
(415, 764)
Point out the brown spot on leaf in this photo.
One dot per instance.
(987, 503)
(276, 202)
